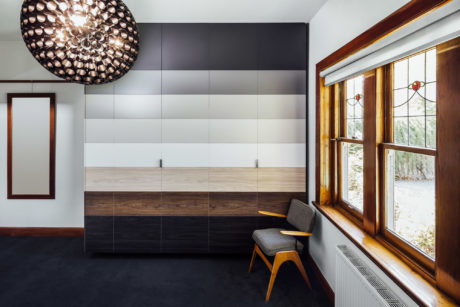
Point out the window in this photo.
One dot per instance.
(351, 146)
(409, 155)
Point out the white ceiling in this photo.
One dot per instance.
(189, 11)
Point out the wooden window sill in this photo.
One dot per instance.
(419, 289)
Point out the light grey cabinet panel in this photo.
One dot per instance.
(100, 89)
(233, 82)
(282, 82)
(100, 131)
(281, 131)
(137, 130)
(233, 131)
(99, 106)
(282, 106)
(139, 82)
(181, 82)
(185, 106)
(185, 131)
(233, 106)
(137, 106)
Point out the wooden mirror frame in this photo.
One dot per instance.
(52, 145)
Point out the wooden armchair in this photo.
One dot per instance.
(283, 244)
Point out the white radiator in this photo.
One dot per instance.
(356, 285)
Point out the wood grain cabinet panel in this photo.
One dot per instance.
(185, 179)
(278, 202)
(236, 179)
(123, 179)
(276, 179)
(98, 203)
(137, 204)
(185, 203)
(232, 204)
(137, 234)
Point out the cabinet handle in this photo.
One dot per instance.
(257, 163)
(161, 163)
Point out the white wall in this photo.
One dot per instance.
(337, 23)
(67, 209)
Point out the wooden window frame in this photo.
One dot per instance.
(447, 271)
(424, 263)
(340, 129)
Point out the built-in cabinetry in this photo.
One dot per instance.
(208, 128)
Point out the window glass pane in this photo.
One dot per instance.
(431, 65)
(358, 128)
(355, 107)
(415, 101)
(352, 174)
(410, 199)
(399, 102)
(431, 131)
(400, 73)
(417, 131)
(417, 68)
(431, 96)
(401, 130)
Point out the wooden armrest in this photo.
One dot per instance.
(295, 233)
(272, 214)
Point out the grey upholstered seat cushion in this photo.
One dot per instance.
(272, 241)
(301, 215)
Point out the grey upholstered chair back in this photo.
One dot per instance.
(301, 215)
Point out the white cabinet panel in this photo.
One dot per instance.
(100, 155)
(185, 130)
(139, 82)
(100, 131)
(282, 155)
(99, 106)
(282, 106)
(137, 131)
(137, 155)
(233, 131)
(281, 131)
(233, 106)
(185, 106)
(185, 155)
(232, 155)
(137, 106)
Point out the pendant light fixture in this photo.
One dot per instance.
(83, 41)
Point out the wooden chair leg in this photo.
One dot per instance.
(279, 260)
(298, 263)
(254, 253)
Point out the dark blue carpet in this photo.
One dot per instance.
(55, 272)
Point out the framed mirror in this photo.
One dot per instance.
(31, 145)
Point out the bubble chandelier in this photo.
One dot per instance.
(82, 41)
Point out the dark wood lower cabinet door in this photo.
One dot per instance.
(185, 234)
(231, 234)
(99, 234)
(137, 234)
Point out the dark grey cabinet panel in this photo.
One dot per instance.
(140, 234)
(185, 234)
(233, 47)
(282, 46)
(231, 235)
(149, 57)
(185, 46)
(99, 234)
